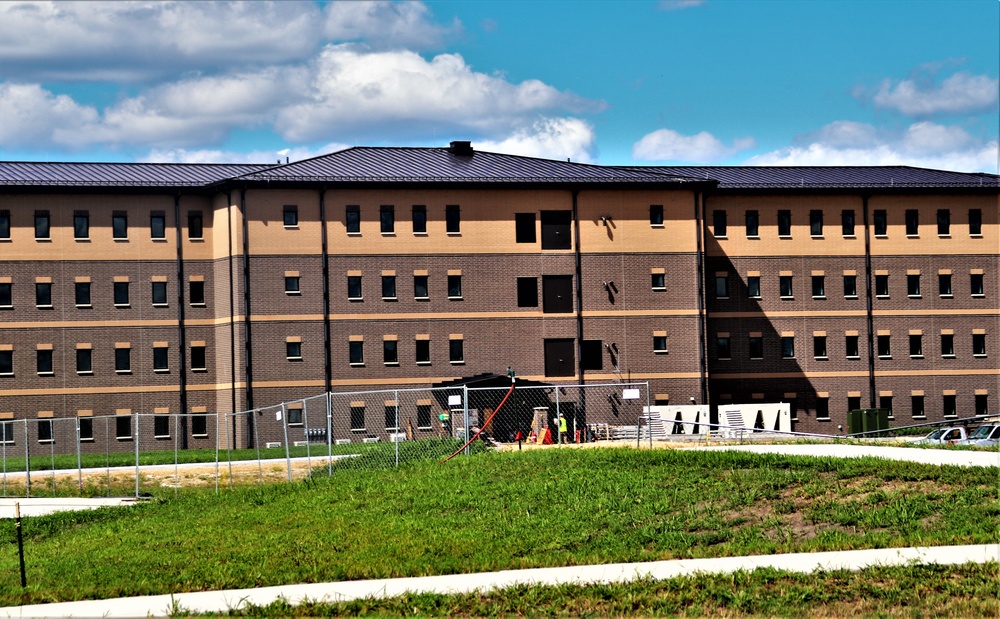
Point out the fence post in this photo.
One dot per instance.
(465, 410)
(649, 417)
(288, 453)
(395, 423)
(329, 433)
(136, 440)
(27, 461)
(305, 426)
(558, 425)
(79, 459)
(218, 437)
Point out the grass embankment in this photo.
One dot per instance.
(500, 511)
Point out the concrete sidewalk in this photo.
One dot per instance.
(211, 602)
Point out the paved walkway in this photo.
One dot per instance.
(922, 455)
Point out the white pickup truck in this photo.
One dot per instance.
(984, 436)
(943, 436)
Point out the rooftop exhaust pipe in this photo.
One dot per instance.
(461, 148)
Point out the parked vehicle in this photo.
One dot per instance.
(943, 436)
(983, 436)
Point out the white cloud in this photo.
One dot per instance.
(386, 25)
(180, 155)
(961, 93)
(923, 144)
(33, 116)
(548, 138)
(677, 5)
(668, 145)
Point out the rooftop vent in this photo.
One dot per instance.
(461, 148)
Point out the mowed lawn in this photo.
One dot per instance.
(497, 511)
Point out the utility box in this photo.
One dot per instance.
(864, 420)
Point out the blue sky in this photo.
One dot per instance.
(616, 83)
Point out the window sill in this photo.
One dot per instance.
(294, 293)
(822, 419)
(163, 371)
(421, 298)
(294, 358)
(753, 237)
(881, 296)
(425, 428)
(120, 240)
(916, 356)
(652, 225)
(123, 305)
(722, 298)
(353, 234)
(82, 240)
(47, 373)
(87, 373)
(161, 305)
(86, 306)
(38, 240)
(198, 239)
(7, 374)
(358, 430)
(722, 237)
(123, 371)
(725, 359)
(881, 236)
(975, 236)
(388, 234)
(982, 356)
(661, 352)
(920, 417)
(850, 236)
(853, 357)
(415, 233)
(816, 236)
(756, 358)
(161, 436)
(357, 365)
(913, 236)
(821, 297)
(947, 356)
(457, 362)
(947, 296)
(291, 226)
(390, 299)
(885, 356)
(785, 236)
(914, 296)
(355, 299)
(158, 239)
(6, 307)
(123, 438)
(199, 370)
(391, 364)
(979, 296)
(423, 362)
(44, 307)
(944, 236)
(455, 298)
(86, 440)
(850, 296)
(663, 289)
(787, 298)
(46, 441)
(454, 233)
(823, 358)
(199, 436)
(755, 298)
(198, 305)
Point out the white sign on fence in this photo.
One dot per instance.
(630, 394)
(454, 400)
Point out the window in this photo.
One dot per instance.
(527, 292)
(389, 287)
(982, 408)
(851, 346)
(853, 402)
(656, 214)
(555, 229)
(787, 347)
(119, 225)
(420, 287)
(847, 222)
(390, 352)
(391, 417)
(354, 288)
(161, 426)
(159, 293)
(293, 350)
(660, 344)
(198, 361)
(387, 219)
(979, 344)
(42, 226)
(423, 351)
(913, 285)
(850, 286)
(84, 361)
(722, 348)
(123, 427)
(290, 215)
(452, 219)
(916, 345)
(123, 360)
(419, 219)
(881, 223)
(7, 362)
(358, 417)
(816, 223)
(819, 347)
(947, 345)
(524, 227)
(356, 352)
(160, 359)
(456, 351)
(353, 219)
(658, 281)
(454, 286)
(917, 406)
(753, 286)
(975, 221)
(885, 403)
(976, 284)
(912, 222)
(944, 284)
(82, 294)
(43, 294)
(756, 347)
(559, 357)
(43, 361)
(881, 285)
(753, 224)
(45, 431)
(158, 226)
(719, 223)
(944, 222)
(196, 292)
(121, 294)
(199, 425)
(884, 352)
(196, 225)
(81, 225)
(722, 286)
(785, 286)
(950, 405)
(6, 297)
(5, 224)
(784, 223)
(819, 286)
(592, 354)
(424, 416)
(557, 294)
(7, 432)
(823, 408)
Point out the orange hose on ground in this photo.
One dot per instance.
(486, 423)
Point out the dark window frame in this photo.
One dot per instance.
(527, 292)
(43, 226)
(356, 352)
(387, 219)
(84, 361)
(418, 217)
(119, 225)
(656, 214)
(752, 224)
(196, 226)
(199, 359)
(912, 216)
(452, 219)
(389, 287)
(44, 362)
(158, 292)
(123, 360)
(390, 352)
(352, 219)
(81, 225)
(720, 226)
(158, 226)
(880, 222)
(290, 215)
(82, 294)
(816, 222)
(847, 222)
(784, 223)
(525, 228)
(161, 359)
(456, 351)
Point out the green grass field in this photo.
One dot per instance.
(507, 510)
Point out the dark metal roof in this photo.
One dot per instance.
(439, 165)
(119, 174)
(831, 177)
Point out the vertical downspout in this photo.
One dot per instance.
(247, 335)
(232, 316)
(868, 304)
(579, 288)
(702, 314)
(181, 326)
(327, 356)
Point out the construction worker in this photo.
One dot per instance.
(563, 429)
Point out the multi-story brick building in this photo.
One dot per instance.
(205, 289)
